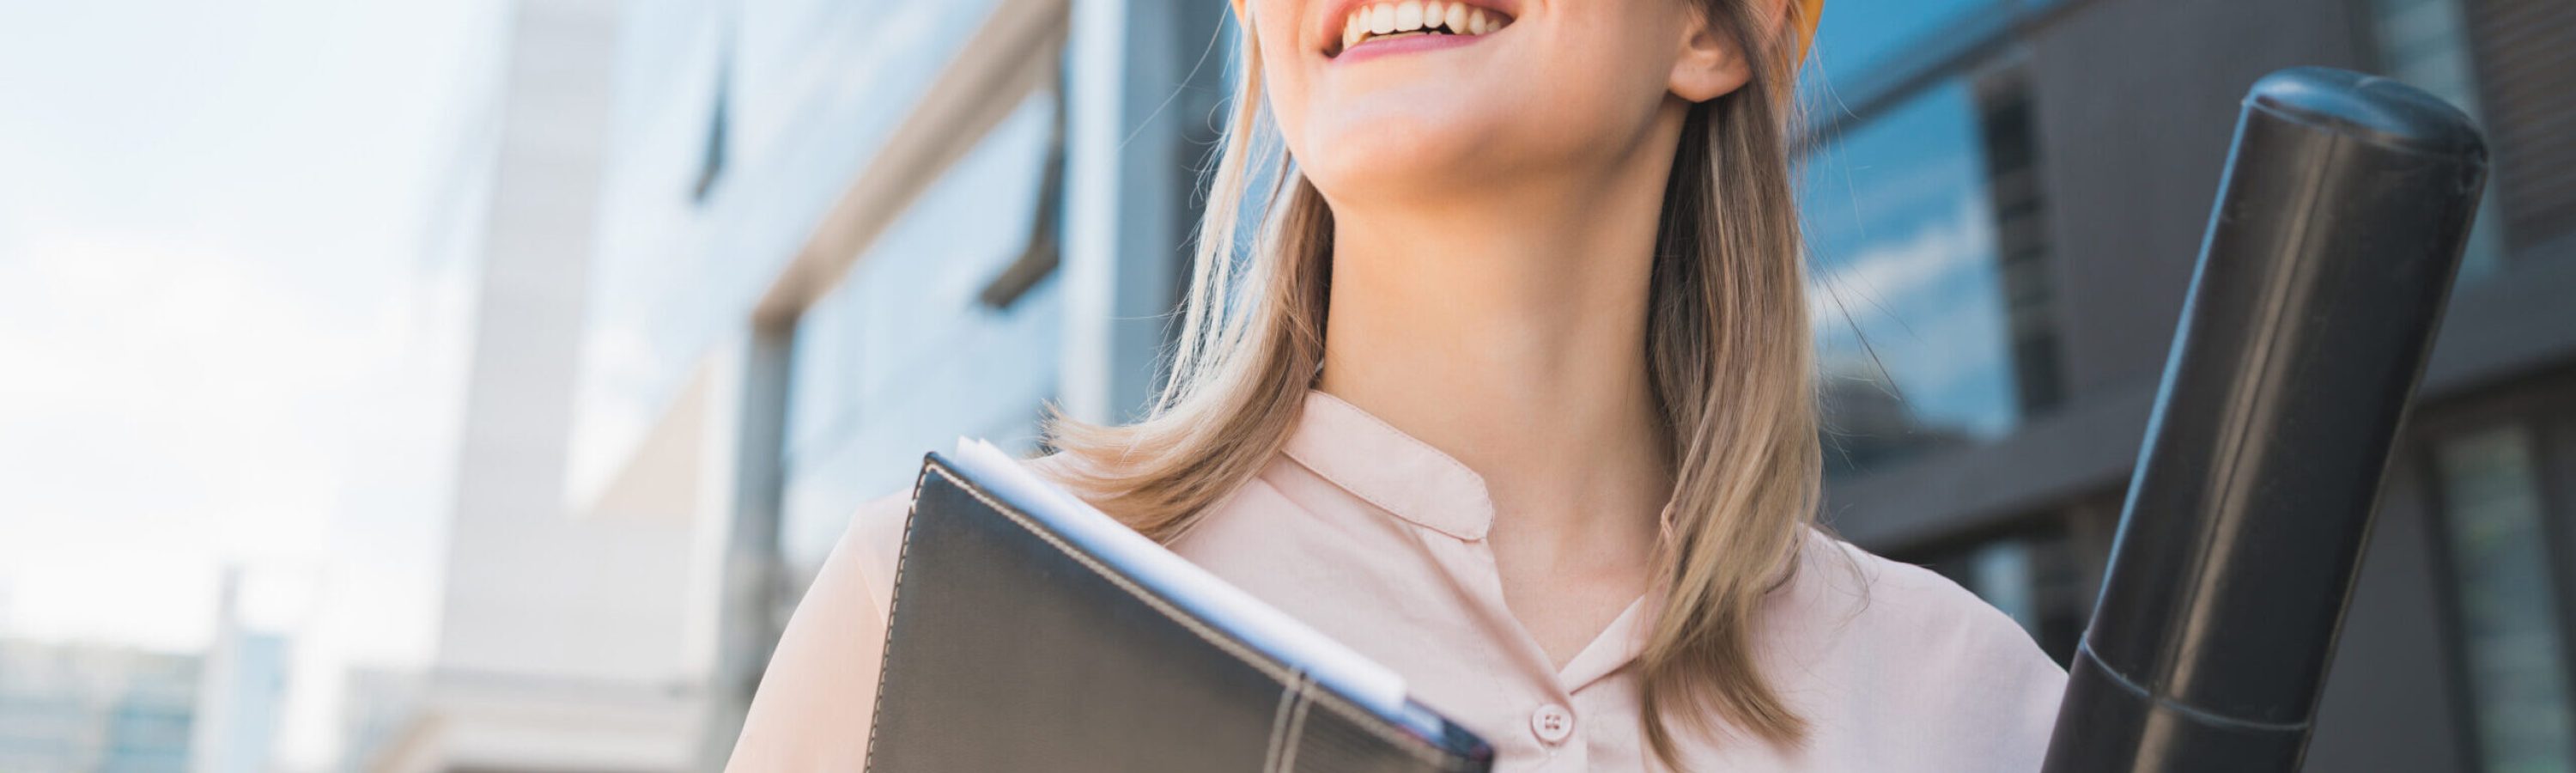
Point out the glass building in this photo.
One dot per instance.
(66, 708)
(2005, 198)
(740, 263)
(743, 261)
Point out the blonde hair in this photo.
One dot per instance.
(1727, 344)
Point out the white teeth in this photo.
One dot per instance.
(1456, 18)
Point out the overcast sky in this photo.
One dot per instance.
(221, 340)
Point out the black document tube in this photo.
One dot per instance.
(2340, 221)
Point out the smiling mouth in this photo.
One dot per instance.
(1388, 21)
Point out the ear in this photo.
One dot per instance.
(1709, 64)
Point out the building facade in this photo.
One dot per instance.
(2005, 201)
(741, 262)
(71, 708)
(85, 707)
(744, 261)
(838, 235)
(567, 639)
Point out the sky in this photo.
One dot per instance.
(226, 339)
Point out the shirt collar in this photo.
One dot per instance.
(1394, 471)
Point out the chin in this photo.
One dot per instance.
(1457, 153)
(1386, 166)
(1407, 151)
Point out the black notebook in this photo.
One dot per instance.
(1029, 631)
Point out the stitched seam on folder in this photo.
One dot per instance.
(1411, 745)
(1278, 723)
(1297, 726)
(894, 598)
(1335, 703)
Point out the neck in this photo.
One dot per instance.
(1511, 335)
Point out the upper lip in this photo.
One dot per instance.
(1336, 12)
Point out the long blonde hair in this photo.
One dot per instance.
(1727, 341)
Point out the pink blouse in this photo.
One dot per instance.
(1379, 540)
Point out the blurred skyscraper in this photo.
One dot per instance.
(241, 690)
(741, 263)
(564, 636)
(76, 707)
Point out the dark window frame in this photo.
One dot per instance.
(2549, 422)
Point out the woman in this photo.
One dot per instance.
(1513, 394)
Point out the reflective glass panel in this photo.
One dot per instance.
(903, 356)
(1911, 323)
(2509, 627)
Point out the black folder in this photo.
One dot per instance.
(1027, 631)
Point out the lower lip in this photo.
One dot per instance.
(1406, 45)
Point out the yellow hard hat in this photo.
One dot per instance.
(1809, 13)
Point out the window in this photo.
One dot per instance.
(2526, 65)
(711, 159)
(906, 352)
(2021, 234)
(2425, 43)
(2510, 63)
(2509, 631)
(1916, 333)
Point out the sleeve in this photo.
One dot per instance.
(2021, 687)
(814, 703)
(1997, 693)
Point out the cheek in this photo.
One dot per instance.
(1608, 69)
(1284, 93)
(1284, 63)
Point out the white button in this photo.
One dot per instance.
(1552, 723)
